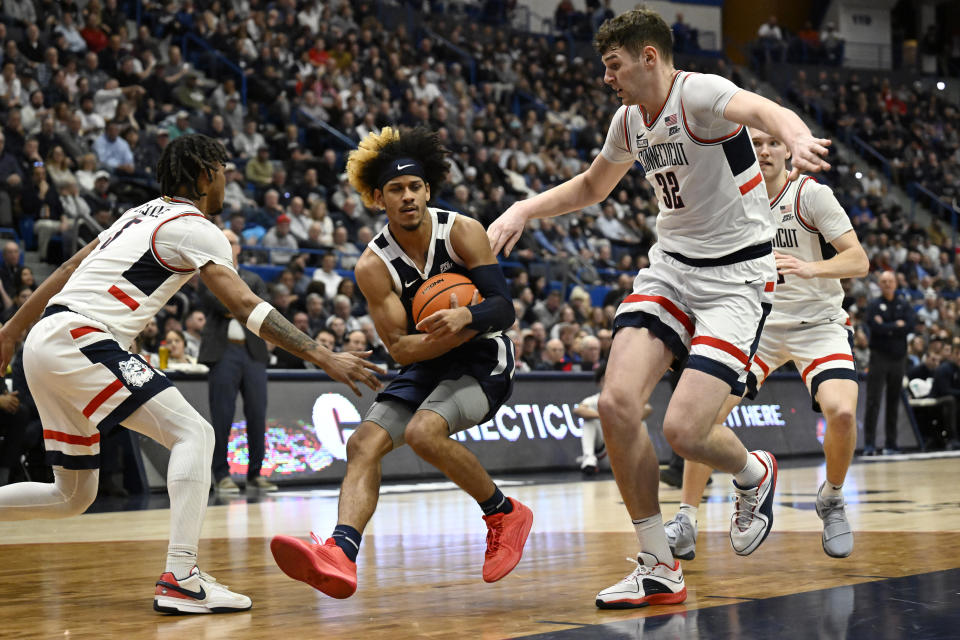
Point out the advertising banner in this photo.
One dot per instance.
(310, 418)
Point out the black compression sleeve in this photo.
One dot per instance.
(496, 312)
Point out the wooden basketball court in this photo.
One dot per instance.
(92, 576)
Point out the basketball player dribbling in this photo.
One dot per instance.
(703, 299)
(815, 245)
(457, 363)
(83, 377)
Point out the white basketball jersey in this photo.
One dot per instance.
(141, 261)
(703, 167)
(808, 219)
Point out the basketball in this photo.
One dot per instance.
(434, 294)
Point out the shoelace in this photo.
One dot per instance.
(206, 577)
(743, 517)
(315, 538)
(494, 532)
(639, 570)
(675, 529)
(832, 510)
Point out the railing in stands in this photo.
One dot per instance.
(523, 101)
(468, 59)
(917, 191)
(270, 271)
(866, 148)
(220, 58)
(333, 131)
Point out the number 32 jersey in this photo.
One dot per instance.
(703, 167)
(142, 260)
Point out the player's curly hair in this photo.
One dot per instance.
(634, 30)
(378, 150)
(182, 162)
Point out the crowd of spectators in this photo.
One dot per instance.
(89, 103)
(776, 44)
(913, 127)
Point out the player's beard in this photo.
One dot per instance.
(413, 226)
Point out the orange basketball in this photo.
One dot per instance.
(434, 294)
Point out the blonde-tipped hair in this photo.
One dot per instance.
(361, 158)
(378, 150)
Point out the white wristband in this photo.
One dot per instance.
(257, 316)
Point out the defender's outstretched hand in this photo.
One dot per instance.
(506, 230)
(807, 156)
(349, 367)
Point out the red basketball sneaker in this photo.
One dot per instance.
(325, 567)
(506, 535)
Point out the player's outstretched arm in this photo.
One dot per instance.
(230, 289)
(26, 315)
(807, 152)
(590, 187)
(390, 318)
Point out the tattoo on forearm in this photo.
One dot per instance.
(281, 332)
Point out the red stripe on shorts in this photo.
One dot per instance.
(102, 397)
(82, 331)
(763, 365)
(666, 304)
(120, 295)
(70, 438)
(768, 288)
(746, 187)
(819, 361)
(723, 345)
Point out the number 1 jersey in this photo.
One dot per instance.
(702, 166)
(142, 260)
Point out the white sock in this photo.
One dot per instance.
(751, 474)
(689, 510)
(181, 558)
(828, 490)
(652, 538)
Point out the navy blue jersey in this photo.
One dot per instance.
(488, 357)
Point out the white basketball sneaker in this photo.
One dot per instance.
(753, 511)
(650, 583)
(681, 536)
(197, 593)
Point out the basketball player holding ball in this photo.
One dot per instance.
(458, 364)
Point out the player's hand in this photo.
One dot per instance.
(350, 367)
(506, 230)
(447, 322)
(807, 156)
(10, 402)
(793, 266)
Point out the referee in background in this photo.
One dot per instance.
(889, 318)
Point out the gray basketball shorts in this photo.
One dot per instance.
(461, 402)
